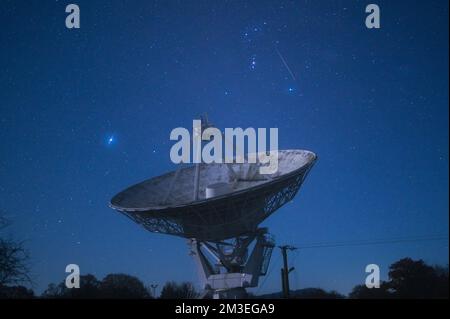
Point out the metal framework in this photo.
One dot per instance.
(230, 269)
(222, 230)
(238, 212)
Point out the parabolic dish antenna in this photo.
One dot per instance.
(218, 208)
(231, 202)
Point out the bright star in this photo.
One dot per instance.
(253, 63)
(110, 140)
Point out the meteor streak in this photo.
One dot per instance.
(285, 64)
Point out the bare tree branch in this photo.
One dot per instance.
(14, 268)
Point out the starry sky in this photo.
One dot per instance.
(87, 112)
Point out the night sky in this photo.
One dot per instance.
(87, 112)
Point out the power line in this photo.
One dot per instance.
(272, 267)
(360, 242)
(286, 270)
(373, 242)
(296, 271)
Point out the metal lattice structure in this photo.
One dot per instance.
(165, 204)
(218, 208)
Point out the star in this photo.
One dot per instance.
(111, 140)
(253, 62)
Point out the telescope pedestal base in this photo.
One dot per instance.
(225, 267)
(234, 293)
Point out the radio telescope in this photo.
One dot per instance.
(217, 208)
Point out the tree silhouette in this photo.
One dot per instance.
(16, 292)
(362, 292)
(415, 279)
(409, 278)
(123, 286)
(304, 293)
(316, 293)
(172, 290)
(14, 269)
(89, 288)
(113, 286)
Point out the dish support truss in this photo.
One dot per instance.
(226, 268)
(218, 219)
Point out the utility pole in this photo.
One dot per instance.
(154, 286)
(285, 270)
